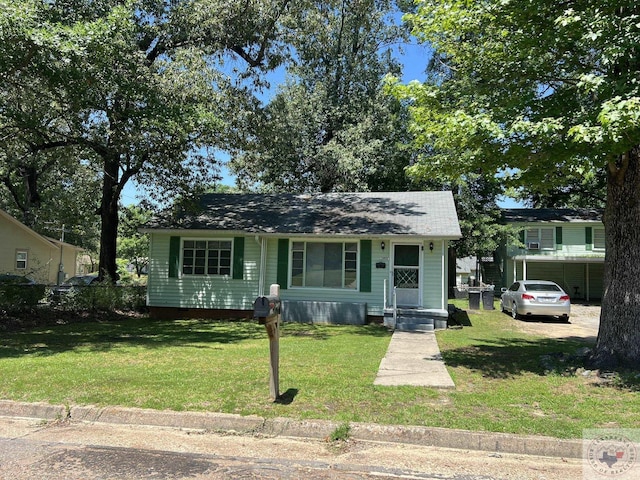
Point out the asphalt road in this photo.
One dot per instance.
(91, 451)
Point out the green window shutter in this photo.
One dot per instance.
(522, 234)
(558, 238)
(282, 275)
(238, 258)
(588, 238)
(174, 257)
(365, 265)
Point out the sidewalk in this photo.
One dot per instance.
(413, 358)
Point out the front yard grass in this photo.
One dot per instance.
(326, 372)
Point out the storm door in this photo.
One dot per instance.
(406, 274)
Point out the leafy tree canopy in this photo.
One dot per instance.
(330, 127)
(532, 91)
(141, 88)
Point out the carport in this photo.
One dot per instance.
(580, 277)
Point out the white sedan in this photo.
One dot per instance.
(535, 297)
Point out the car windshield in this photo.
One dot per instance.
(541, 287)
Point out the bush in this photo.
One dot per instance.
(105, 297)
(16, 296)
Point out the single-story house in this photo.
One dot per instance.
(337, 257)
(26, 252)
(566, 246)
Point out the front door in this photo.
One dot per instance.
(406, 274)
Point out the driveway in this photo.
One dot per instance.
(583, 324)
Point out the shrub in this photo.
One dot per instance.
(16, 296)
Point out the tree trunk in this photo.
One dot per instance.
(618, 341)
(109, 219)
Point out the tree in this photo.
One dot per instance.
(139, 86)
(133, 246)
(579, 189)
(536, 87)
(331, 127)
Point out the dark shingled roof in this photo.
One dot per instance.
(431, 214)
(522, 215)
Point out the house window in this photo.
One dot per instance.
(210, 257)
(598, 238)
(324, 264)
(540, 238)
(21, 260)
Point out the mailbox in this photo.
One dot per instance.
(266, 308)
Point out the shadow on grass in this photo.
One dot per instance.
(103, 333)
(287, 397)
(508, 357)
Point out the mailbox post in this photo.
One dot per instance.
(267, 311)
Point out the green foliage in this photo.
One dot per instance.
(104, 297)
(330, 127)
(527, 90)
(133, 246)
(341, 433)
(531, 92)
(136, 89)
(16, 296)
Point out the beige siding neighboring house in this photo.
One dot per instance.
(25, 252)
(565, 246)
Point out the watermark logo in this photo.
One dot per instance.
(611, 453)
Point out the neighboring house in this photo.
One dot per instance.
(562, 245)
(466, 272)
(25, 252)
(335, 256)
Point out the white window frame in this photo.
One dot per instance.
(539, 237)
(185, 245)
(22, 252)
(300, 264)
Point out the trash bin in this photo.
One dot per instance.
(487, 299)
(474, 299)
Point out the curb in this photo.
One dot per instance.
(316, 429)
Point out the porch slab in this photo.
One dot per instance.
(413, 358)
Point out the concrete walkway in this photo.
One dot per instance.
(413, 358)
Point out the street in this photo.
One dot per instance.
(72, 451)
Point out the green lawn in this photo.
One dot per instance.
(326, 372)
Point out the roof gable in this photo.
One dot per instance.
(430, 214)
(49, 242)
(21, 226)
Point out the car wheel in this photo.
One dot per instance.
(514, 311)
(565, 318)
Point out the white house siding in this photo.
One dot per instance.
(329, 294)
(435, 276)
(206, 291)
(578, 269)
(433, 279)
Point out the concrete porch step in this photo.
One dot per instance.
(409, 326)
(417, 323)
